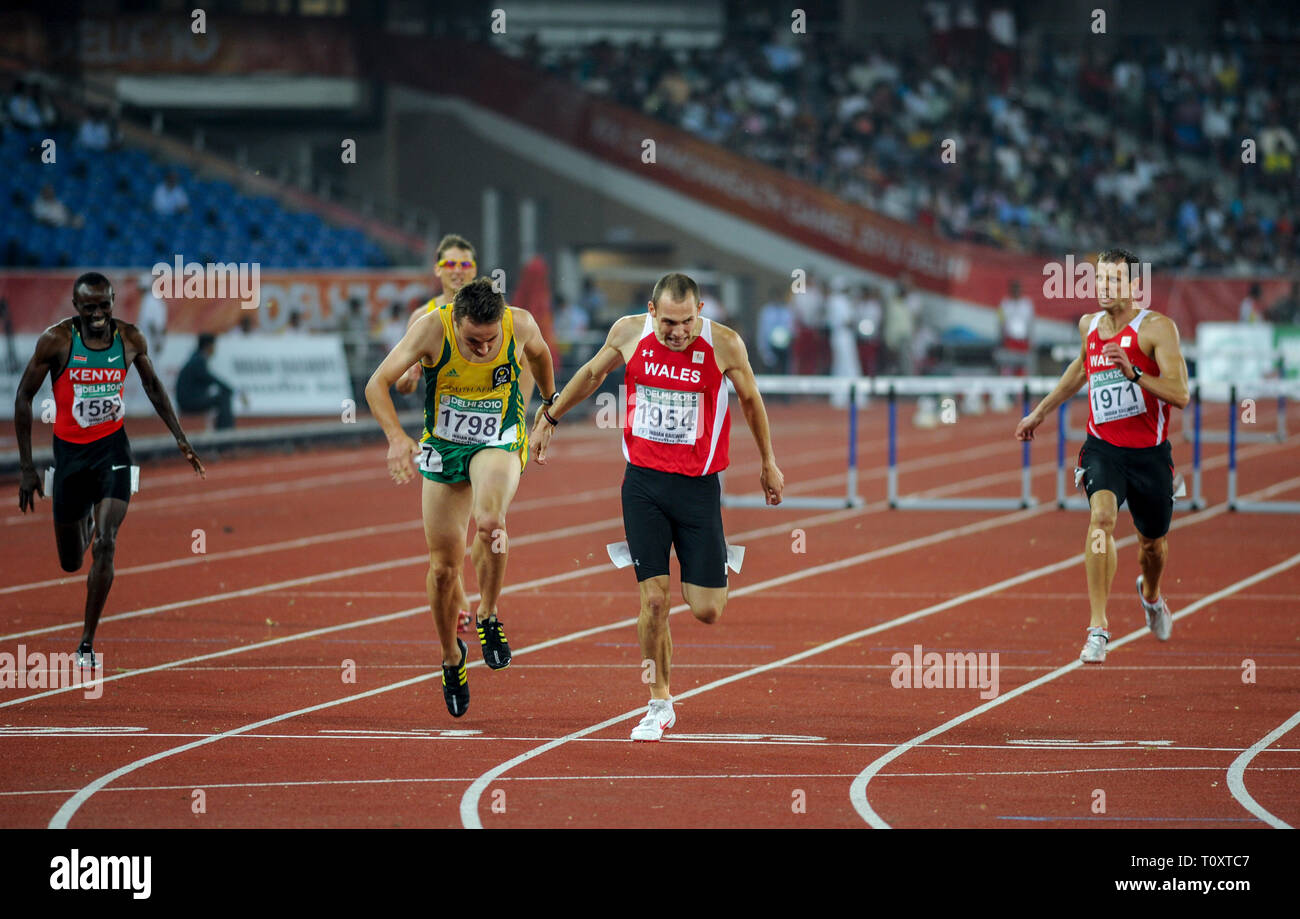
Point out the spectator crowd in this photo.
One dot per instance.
(1060, 145)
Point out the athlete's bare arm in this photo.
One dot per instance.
(408, 381)
(1158, 336)
(51, 353)
(536, 353)
(423, 340)
(733, 361)
(137, 354)
(622, 335)
(1075, 376)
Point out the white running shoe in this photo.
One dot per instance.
(658, 718)
(1094, 649)
(1159, 620)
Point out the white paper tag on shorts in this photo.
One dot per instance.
(49, 481)
(619, 554)
(1078, 475)
(1180, 486)
(135, 479)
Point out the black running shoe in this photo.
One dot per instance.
(86, 656)
(496, 650)
(455, 684)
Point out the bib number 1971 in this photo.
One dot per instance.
(1114, 396)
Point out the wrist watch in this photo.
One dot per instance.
(551, 401)
(1137, 374)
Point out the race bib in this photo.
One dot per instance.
(430, 459)
(666, 416)
(1114, 396)
(472, 421)
(97, 403)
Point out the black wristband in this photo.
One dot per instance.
(1137, 374)
(547, 416)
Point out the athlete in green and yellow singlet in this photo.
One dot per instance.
(471, 406)
(473, 352)
(455, 265)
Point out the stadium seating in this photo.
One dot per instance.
(113, 190)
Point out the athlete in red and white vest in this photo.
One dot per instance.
(676, 438)
(1131, 361)
(1120, 411)
(677, 418)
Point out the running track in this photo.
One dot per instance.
(225, 669)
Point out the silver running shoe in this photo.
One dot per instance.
(1159, 620)
(1094, 649)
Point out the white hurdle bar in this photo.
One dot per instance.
(895, 386)
(813, 385)
(1280, 388)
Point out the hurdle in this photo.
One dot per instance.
(1280, 388)
(893, 387)
(1075, 502)
(805, 386)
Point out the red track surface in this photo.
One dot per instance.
(315, 559)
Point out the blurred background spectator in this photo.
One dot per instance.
(199, 391)
(811, 341)
(169, 199)
(775, 331)
(152, 318)
(870, 313)
(1016, 326)
(49, 210)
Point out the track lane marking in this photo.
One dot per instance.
(1237, 774)
(527, 504)
(73, 804)
(469, 801)
(858, 788)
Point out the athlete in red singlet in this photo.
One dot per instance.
(1131, 360)
(87, 357)
(676, 436)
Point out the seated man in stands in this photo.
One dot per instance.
(198, 390)
(49, 210)
(169, 198)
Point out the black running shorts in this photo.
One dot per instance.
(85, 474)
(1144, 476)
(666, 509)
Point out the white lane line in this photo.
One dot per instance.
(208, 786)
(1237, 774)
(780, 529)
(308, 580)
(242, 491)
(858, 788)
(469, 801)
(527, 539)
(415, 524)
(70, 807)
(424, 736)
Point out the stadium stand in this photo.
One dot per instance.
(113, 190)
(1150, 126)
